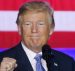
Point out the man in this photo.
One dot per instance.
(35, 25)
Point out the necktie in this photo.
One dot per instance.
(39, 66)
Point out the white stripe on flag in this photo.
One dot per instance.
(8, 20)
(64, 20)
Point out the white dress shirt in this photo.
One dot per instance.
(31, 56)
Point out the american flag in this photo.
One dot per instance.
(63, 38)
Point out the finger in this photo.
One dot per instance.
(9, 59)
(16, 65)
(8, 64)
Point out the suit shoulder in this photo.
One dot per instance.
(12, 49)
(12, 52)
(66, 62)
(61, 56)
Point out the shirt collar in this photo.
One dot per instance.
(29, 52)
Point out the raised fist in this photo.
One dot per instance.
(8, 64)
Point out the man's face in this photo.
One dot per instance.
(34, 29)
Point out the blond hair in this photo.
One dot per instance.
(37, 6)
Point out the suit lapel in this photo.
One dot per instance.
(22, 60)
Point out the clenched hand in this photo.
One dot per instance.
(8, 64)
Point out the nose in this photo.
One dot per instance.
(34, 28)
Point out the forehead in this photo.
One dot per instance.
(35, 15)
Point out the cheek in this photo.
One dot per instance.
(26, 31)
(44, 34)
(44, 31)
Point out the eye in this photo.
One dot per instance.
(27, 23)
(41, 23)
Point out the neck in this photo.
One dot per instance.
(35, 49)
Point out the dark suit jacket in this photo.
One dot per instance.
(59, 62)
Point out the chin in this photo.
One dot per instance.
(37, 45)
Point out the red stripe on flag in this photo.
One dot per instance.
(65, 5)
(11, 4)
(57, 4)
(9, 39)
(62, 39)
(58, 39)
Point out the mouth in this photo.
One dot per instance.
(35, 37)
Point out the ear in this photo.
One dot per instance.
(51, 31)
(19, 29)
(52, 26)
